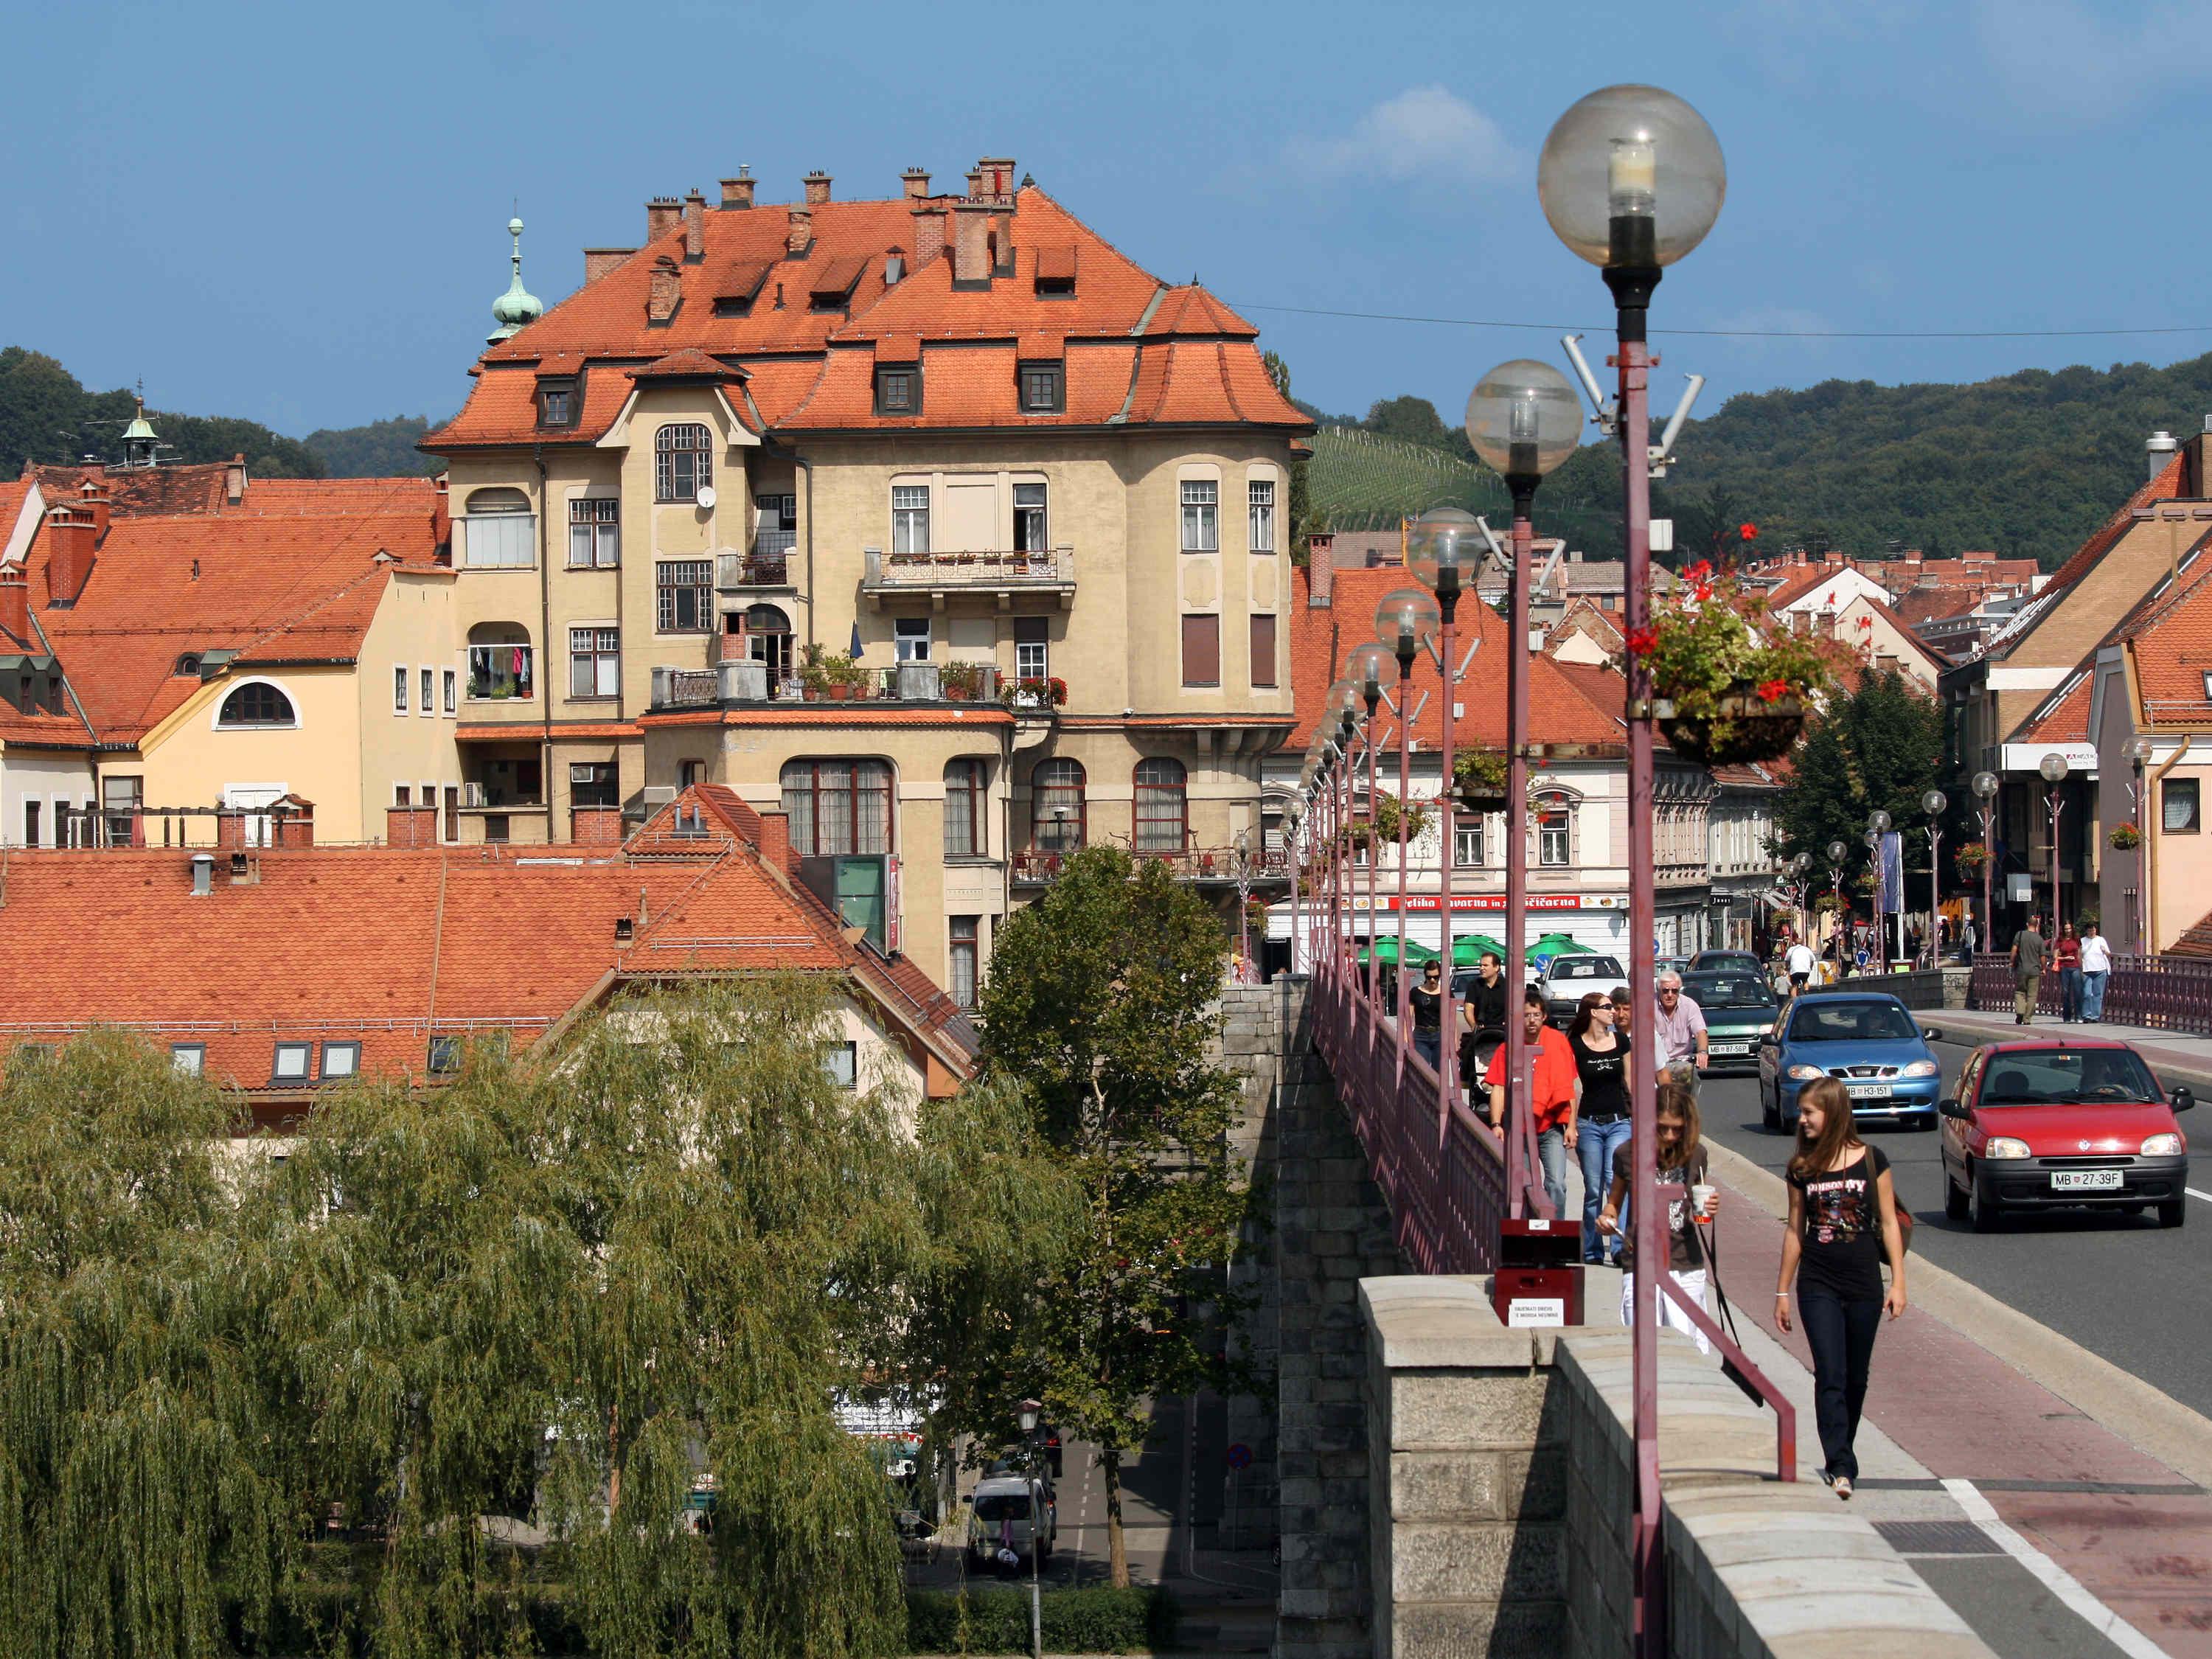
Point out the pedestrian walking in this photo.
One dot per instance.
(1483, 1015)
(1969, 936)
(2067, 953)
(2027, 955)
(1683, 1187)
(1679, 1031)
(1843, 1226)
(1601, 1116)
(1428, 1014)
(1797, 962)
(2096, 969)
(1552, 1116)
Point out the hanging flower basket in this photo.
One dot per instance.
(1829, 904)
(1867, 881)
(1479, 777)
(2125, 836)
(1727, 686)
(1973, 856)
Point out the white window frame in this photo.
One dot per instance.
(906, 645)
(399, 689)
(911, 519)
(1463, 856)
(188, 1059)
(426, 683)
(349, 1047)
(604, 650)
(598, 518)
(513, 545)
(231, 688)
(665, 484)
(1260, 514)
(842, 1060)
(306, 1051)
(450, 683)
(1041, 542)
(1042, 659)
(527, 646)
(1201, 515)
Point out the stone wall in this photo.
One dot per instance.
(1501, 1495)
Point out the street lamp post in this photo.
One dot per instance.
(1031, 1411)
(2054, 769)
(1405, 621)
(1630, 179)
(1985, 791)
(1878, 825)
(1798, 866)
(1365, 669)
(1294, 864)
(1523, 419)
(1836, 852)
(1933, 803)
(1244, 900)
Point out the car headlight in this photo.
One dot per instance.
(2006, 1146)
(1921, 1068)
(1803, 1073)
(2167, 1145)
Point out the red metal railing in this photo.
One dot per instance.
(2166, 994)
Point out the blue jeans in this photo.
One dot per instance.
(1552, 1153)
(2093, 992)
(1594, 1145)
(1429, 1046)
(2069, 993)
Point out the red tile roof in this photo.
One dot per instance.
(200, 487)
(1136, 350)
(2066, 720)
(388, 946)
(2166, 487)
(2170, 639)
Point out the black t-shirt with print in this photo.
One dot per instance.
(1604, 1073)
(1686, 1247)
(1427, 1016)
(1841, 1235)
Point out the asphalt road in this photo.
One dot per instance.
(2129, 1291)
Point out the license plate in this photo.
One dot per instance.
(1867, 1090)
(2085, 1180)
(1731, 1047)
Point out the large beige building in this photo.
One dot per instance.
(934, 520)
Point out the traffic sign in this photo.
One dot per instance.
(1240, 1456)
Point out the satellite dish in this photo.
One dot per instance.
(706, 495)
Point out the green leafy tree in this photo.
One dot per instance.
(381, 449)
(1101, 1001)
(1878, 749)
(47, 416)
(1415, 419)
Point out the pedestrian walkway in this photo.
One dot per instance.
(2049, 1533)
(2189, 1058)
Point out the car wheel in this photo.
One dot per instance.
(1770, 1111)
(2173, 1213)
(1954, 1197)
(1986, 1215)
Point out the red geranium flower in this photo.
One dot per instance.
(1748, 531)
(1699, 571)
(1774, 690)
(1703, 590)
(1641, 642)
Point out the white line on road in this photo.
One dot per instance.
(2061, 1582)
(2193, 1192)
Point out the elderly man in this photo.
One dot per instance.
(1679, 1033)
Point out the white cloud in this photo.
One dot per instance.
(2071, 68)
(1425, 132)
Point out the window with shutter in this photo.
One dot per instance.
(1263, 651)
(1201, 650)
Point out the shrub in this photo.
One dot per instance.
(1096, 1620)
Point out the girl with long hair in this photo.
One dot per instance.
(1682, 1161)
(1600, 1055)
(1843, 1226)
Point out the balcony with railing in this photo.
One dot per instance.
(768, 565)
(741, 683)
(944, 575)
(1200, 865)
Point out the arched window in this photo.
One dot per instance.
(501, 662)
(682, 463)
(1555, 821)
(500, 531)
(768, 639)
(838, 805)
(257, 703)
(1163, 806)
(1058, 819)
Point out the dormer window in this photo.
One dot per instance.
(898, 390)
(1055, 273)
(557, 403)
(1044, 388)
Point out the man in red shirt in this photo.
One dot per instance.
(1554, 1092)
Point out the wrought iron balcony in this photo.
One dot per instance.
(735, 572)
(743, 682)
(944, 575)
(1204, 865)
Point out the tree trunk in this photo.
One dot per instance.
(1117, 1546)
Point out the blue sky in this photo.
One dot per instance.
(295, 213)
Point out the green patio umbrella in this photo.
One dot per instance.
(1468, 949)
(1386, 950)
(1559, 944)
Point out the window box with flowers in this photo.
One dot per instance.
(1724, 688)
(2124, 837)
(1478, 776)
(1035, 693)
(1973, 857)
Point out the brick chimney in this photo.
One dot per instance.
(234, 480)
(410, 826)
(818, 187)
(662, 215)
(775, 839)
(665, 290)
(916, 180)
(16, 601)
(695, 228)
(92, 497)
(998, 176)
(70, 541)
(595, 826)
(971, 242)
(293, 823)
(599, 261)
(800, 236)
(738, 192)
(1320, 571)
(928, 234)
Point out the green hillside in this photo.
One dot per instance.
(382, 449)
(2027, 464)
(47, 415)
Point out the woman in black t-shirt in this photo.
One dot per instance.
(1600, 1055)
(1843, 1226)
(1428, 1014)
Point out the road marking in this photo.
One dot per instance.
(2193, 1192)
(2061, 1582)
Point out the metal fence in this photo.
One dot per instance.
(2166, 994)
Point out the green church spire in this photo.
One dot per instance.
(518, 306)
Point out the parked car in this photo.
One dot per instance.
(2040, 1124)
(1739, 1008)
(1006, 1511)
(1567, 980)
(1867, 1041)
(1725, 962)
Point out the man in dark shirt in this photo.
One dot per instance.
(1484, 1015)
(2028, 952)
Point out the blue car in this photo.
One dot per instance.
(1868, 1042)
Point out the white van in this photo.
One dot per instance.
(999, 1522)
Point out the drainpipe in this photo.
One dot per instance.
(807, 467)
(544, 645)
(2150, 848)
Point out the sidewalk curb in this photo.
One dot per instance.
(2154, 1423)
(2171, 1064)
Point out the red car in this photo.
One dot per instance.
(2041, 1124)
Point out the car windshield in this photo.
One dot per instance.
(2087, 1076)
(1710, 961)
(1579, 967)
(1711, 991)
(1002, 1506)
(1823, 1021)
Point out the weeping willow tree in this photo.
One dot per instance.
(502, 1330)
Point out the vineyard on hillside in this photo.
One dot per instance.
(1362, 481)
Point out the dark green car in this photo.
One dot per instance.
(1739, 1008)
